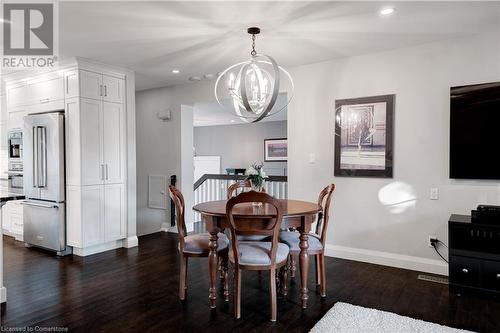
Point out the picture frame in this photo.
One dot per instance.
(364, 137)
(276, 150)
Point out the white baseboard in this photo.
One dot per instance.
(388, 259)
(90, 250)
(3, 295)
(131, 242)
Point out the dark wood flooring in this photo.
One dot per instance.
(135, 290)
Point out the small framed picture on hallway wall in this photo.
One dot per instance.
(363, 136)
(275, 150)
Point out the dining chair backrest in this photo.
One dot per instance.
(240, 186)
(324, 200)
(255, 226)
(178, 199)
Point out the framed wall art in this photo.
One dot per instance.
(275, 150)
(364, 136)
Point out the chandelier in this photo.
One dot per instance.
(252, 87)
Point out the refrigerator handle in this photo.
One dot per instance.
(35, 157)
(43, 156)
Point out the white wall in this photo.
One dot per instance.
(362, 227)
(240, 145)
(159, 144)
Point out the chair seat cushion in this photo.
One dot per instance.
(258, 253)
(291, 238)
(198, 243)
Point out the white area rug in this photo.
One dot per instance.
(349, 318)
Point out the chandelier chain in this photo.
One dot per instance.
(253, 53)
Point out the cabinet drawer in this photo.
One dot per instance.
(46, 91)
(490, 274)
(464, 271)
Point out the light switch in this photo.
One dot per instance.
(434, 193)
(312, 158)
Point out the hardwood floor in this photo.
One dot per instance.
(136, 290)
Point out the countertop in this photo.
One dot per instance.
(10, 194)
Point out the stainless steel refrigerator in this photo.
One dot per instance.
(44, 181)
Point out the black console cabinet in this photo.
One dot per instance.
(474, 256)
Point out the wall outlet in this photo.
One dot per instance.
(432, 240)
(434, 194)
(312, 158)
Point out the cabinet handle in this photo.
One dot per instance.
(465, 270)
(107, 172)
(45, 100)
(102, 172)
(105, 91)
(100, 90)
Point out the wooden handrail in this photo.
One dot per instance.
(282, 179)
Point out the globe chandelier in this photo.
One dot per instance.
(252, 87)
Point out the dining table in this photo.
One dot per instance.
(296, 214)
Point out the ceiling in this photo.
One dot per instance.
(153, 38)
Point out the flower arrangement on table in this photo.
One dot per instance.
(256, 176)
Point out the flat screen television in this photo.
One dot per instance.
(475, 131)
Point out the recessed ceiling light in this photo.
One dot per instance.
(194, 78)
(233, 121)
(176, 71)
(387, 11)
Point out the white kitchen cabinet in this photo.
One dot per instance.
(102, 87)
(114, 212)
(12, 219)
(114, 89)
(97, 214)
(46, 90)
(90, 85)
(91, 142)
(97, 133)
(71, 84)
(16, 119)
(113, 134)
(17, 94)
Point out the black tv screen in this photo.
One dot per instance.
(475, 131)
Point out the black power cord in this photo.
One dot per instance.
(434, 245)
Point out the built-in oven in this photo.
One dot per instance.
(15, 141)
(15, 172)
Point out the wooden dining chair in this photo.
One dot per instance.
(236, 188)
(256, 255)
(196, 245)
(316, 242)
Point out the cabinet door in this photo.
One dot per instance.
(90, 85)
(71, 84)
(92, 215)
(46, 91)
(6, 223)
(114, 142)
(17, 94)
(91, 142)
(16, 119)
(114, 212)
(114, 89)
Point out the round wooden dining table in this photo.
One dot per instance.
(296, 213)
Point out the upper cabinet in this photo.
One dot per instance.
(102, 87)
(44, 89)
(17, 94)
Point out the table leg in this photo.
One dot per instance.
(304, 265)
(212, 264)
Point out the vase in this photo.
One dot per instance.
(257, 188)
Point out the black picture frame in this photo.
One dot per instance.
(267, 157)
(365, 104)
